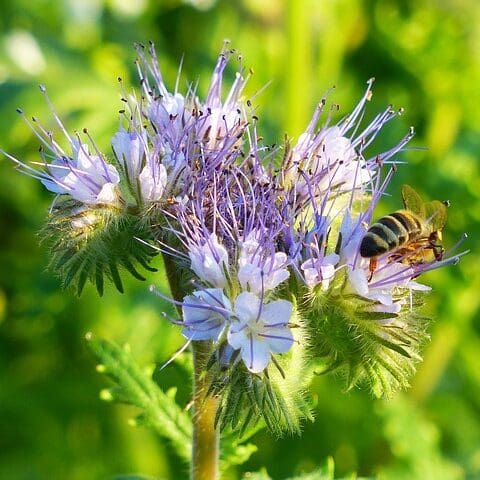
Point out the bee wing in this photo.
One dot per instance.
(413, 201)
(436, 213)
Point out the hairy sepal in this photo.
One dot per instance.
(276, 396)
(94, 243)
(350, 336)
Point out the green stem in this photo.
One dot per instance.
(205, 442)
(205, 437)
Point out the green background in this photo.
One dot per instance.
(425, 56)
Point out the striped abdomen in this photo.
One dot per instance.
(391, 232)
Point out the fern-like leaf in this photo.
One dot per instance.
(136, 387)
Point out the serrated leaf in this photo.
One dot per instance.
(262, 475)
(236, 454)
(134, 386)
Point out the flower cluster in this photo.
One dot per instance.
(269, 239)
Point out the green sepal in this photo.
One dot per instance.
(96, 242)
(367, 346)
(276, 397)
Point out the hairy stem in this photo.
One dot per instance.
(205, 436)
(205, 442)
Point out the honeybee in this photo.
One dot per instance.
(412, 235)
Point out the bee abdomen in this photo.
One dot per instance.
(411, 223)
(388, 233)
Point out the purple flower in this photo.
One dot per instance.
(209, 261)
(320, 270)
(205, 314)
(259, 270)
(83, 175)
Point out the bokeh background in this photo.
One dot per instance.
(425, 55)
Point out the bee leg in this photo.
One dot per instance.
(372, 267)
(438, 252)
(437, 249)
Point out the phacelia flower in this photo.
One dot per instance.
(205, 314)
(210, 261)
(259, 270)
(84, 176)
(258, 330)
(320, 270)
(267, 239)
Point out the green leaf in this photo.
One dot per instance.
(235, 454)
(262, 475)
(133, 477)
(327, 472)
(135, 387)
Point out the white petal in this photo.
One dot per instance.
(358, 280)
(277, 312)
(255, 354)
(279, 340)
(82, 156)
(249, 248)
(418, 286)
(202, 323)
(247, 307)
(311, 276)
(237, 334)
(275, 278)
(129, 152)
(152, 183)
(107, 194)
(382, 296)
(249, 277)
(209, 261)
(331, 259)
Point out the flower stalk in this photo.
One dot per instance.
(206, 438)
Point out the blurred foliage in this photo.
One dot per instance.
(424, 55)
